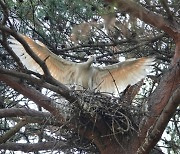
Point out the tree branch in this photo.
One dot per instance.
(160, 99)
(147, 16)
(32, 116)
(25, 147)
(166, 7)
(27, 48)
(21, 112)
(42, 64)
(12, 131)
(5, 12)
(59, 88)
(33, 94)
(9, 50)
(177, 52)
(136, 10)
(155, 134)
(45, 102)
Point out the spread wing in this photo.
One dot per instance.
(120, 75)
(59, 68)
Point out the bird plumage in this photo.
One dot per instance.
(113, 78)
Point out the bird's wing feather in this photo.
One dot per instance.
(120, 75)
(59, 68)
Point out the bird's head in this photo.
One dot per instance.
(92, 59)
(89, 62)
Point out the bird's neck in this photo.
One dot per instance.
(86, 64)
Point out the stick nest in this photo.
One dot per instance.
(118, 113)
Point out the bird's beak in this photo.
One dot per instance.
(94, 60)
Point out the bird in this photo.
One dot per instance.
(107, 79)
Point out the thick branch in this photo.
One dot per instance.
(161, 123)
(161, 98)
(33, 94)
(26, 47)
(25, 147)
(46, 103)
(147, 16)
(177, 52)
(21, 112)
(5, 12)
(32, 116)
(59, 88)
(39, 82)
(48, 76)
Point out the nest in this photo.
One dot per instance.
(113, 117)
(119, 115)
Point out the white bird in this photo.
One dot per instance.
(112, 79)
